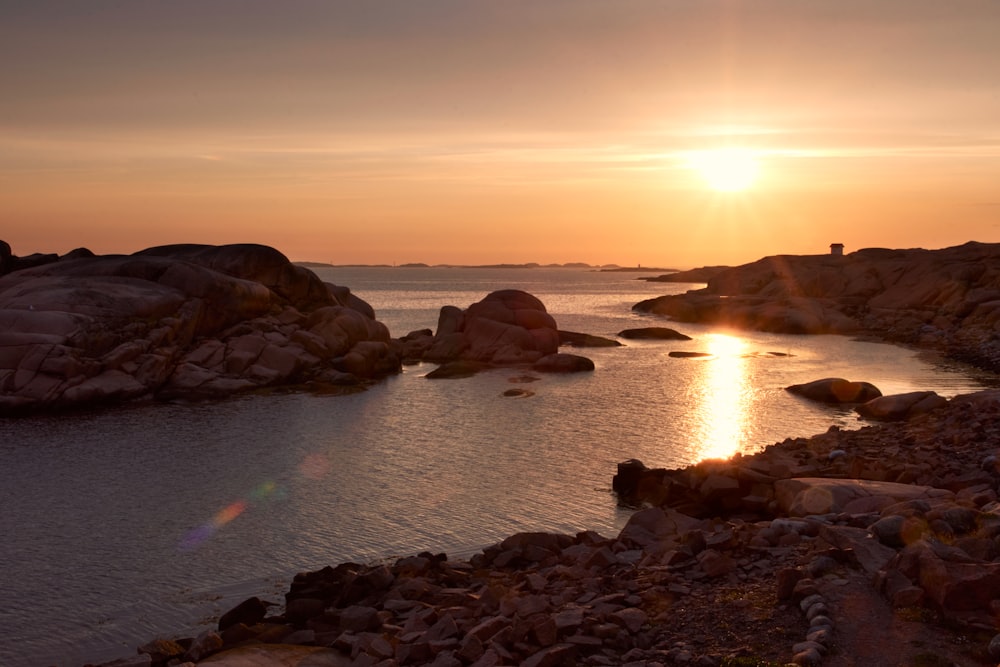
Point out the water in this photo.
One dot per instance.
(122, 525)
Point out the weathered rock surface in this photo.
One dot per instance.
(836, 390)
(945, 299)
(185, 321)
(561, 362)
(506, 328)
(913, 506)
(900, 406)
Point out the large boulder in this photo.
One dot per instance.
(835, 390)
(508, 327)
(897, 407)
(204, 322)
(561, 362)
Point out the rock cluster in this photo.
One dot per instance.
(506, 328)
(535, 599)
(948, 299)
(185, 321)
(914, 505)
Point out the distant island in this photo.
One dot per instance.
(526, 265)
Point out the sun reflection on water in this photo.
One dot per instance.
(726, 397)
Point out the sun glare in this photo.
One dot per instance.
(726, 169)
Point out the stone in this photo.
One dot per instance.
(250, 611)
(279, 655)
(804, 496)
(631, 619)
(900, 406)
(656, 527)
(574, 339)
(203, 645)
(653, 333)
(836, 390)
(561, 362)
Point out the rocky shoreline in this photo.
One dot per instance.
(195, 322)
(877, 546)
(947, 300)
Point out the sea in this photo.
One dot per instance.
(129, 523)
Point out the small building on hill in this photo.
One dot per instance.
(837, 249)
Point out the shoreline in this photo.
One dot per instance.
(664, 589)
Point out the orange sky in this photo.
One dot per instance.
(476, 131)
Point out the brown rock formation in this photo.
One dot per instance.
(506, 328)
(178, 321)
(948, 299)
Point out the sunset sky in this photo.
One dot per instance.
(474, 131)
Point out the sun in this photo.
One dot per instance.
(726, 169)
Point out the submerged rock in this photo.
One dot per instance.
(563, 363)
(575, 339)
(836, 390)
(653, 333)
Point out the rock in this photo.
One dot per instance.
(6, 258)
(900, 406)
(815, 495)
(456, 369)
(278, 655)
(141, 660)
(204, 645)
(653, 333)
(249, 612)
(574, 339)
(656, 527)
(943, 299)
(835, 390)
(508, 327)
(161, 650)
(561, 362)
(177, 322)
(680, 354)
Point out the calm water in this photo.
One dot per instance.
(125, 524)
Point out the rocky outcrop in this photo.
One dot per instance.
(915, 504)
(805, 554)
(10, 262)
(506, 328)
(947, 299)
(179, 321)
